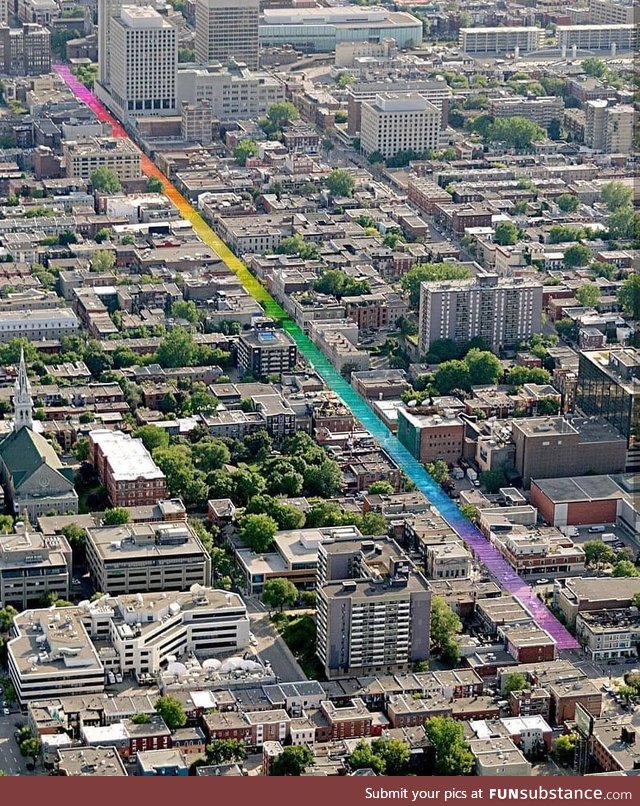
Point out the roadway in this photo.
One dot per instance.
(11, 761)
(272, 649)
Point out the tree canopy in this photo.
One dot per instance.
(171, 710)
(105, 180)
(452, 753)
(429, 273)
(340, 182)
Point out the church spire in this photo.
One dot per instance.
(22, 400)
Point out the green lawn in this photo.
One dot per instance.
(299, 634)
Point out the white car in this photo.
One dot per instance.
(6, 711)
(252, 639)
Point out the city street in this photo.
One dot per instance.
(272, 649)
(10, 759)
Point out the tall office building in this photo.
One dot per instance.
(227, 29)
(609, 387)
(399, 122)
(609, 128)
(144, 63)
(107, 10)
(502, 311)
(374, 608)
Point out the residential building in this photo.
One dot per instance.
(170, 762)
(548, 446)
(76, 761)
(503, 311)
(38, 325)
(608, 128)
(146, 557)
(500, 40)
(597, 37)
(613, 744)
(227, 30)
(33, 565)
(120, 155)
(541, 110)
(451, 560)
(319, 29)
(609, 633)
(396, 122)
(144, 63)
(611, 12)
(25, 51)
(126, 469)
(373, 608)
(265, 351)
(498, 756)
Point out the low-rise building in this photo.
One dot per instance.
(38, 325)
(141, 557)
(609, 633)
(587, 594)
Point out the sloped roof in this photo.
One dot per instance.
(24, 451)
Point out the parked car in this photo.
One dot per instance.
(629, 661)
(543, 581)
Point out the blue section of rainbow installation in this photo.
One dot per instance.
(486, 553)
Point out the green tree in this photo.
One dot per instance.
(484, 367)
(554, 129)
(344, 80)
(395, 753)
(6, 524)
(577, 255)
(7, 614)
(616, 195)
(292, 761)
(568, 203)
(624, 568)
(257, 445)
(452, 753)
(470, 512)
(340, 182)
(515, 132)
(506, 233)
(430, 272)
(171, 710)
(338, 284)
(257, 531)
(629, 296)
(439, 471)
(244, 150)
(226, 751)
(152, 437)
(363, 758)
(286, 516)
(492, 480)
(154, 185)
(210, 454)
(185, 309)
(594, 67)
(102, 260)
(624, 224)
(561, 233)
(597, 553)
(445, 625)
(324, 480)
(588, 295)
(279, 592)
(177, 349)
(115, 516)
(296, 245)
(564, 749)
(246, 484)
(517, 376)
(77, 539)
(547, 407)
(452, 375)
(103, 235)
(141, 719)
(105, 180)
(282, 113)
(515, 682)
(381, 488)
(30, 748)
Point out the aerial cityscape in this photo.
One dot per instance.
(319, 375)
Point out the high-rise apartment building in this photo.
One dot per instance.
(502, 311)
(144, 62)
(227, 30)
(374, 608)
(399, 122)
(609, 128)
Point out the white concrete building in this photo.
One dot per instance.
(38, 325)
(71, 651)
(399, 122)
(500, 39)
(144, 63)
(227, 29)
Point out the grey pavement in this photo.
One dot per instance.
(272, 649)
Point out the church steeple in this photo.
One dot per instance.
(22, 400)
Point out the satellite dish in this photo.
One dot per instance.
(179, 669)
(211, 663)
(196, 588)
(171, 659)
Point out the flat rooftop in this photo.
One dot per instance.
(130, 541)
(581, 489)
(128, 458)
(99, 761)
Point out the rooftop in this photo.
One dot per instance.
(102, 761)
(125, 542)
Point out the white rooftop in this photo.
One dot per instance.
(128, 458)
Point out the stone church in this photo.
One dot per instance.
(33, 477)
